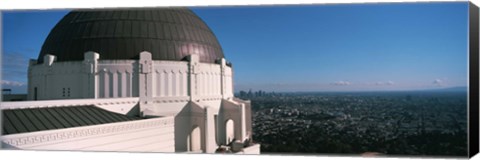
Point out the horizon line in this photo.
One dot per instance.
(337, 91)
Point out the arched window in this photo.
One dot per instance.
(194, 140)
(229, 131)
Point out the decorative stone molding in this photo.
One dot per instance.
(54, 136)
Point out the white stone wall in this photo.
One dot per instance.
(209, 116)
(117, 78)
(93, 78)
(228, 82)
(62, 80)
(195, 94)
(170, 79)
(209, 80)
(150, 135)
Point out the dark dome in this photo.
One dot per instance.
(167, 33)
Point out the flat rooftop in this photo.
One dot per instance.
(49, 118)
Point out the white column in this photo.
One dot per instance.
(180, 83)
(217, 84)
(206, 83)
(101, 85)
(201, 84)
(229, 85)
(114, 86)
(128, 83)
(90, 62)
(177, 83)
(174, 83)
(156, 83)
(192, 72)
(243, 122)
(223, 80)
(106, 80)
(167, 83)
(161, 80)
(210, 143)
(185, 83)
(123, 84)
(145, 77)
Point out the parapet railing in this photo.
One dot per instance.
(66, 103)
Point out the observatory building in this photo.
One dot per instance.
(146, 80)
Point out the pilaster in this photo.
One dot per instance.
(223, 78)
(193, 61)
(210, 135)
(243, 125)
(145, 90)
(90, 69)
(48, 60)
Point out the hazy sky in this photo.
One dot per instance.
(347, 47)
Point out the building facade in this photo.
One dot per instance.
(160, 70)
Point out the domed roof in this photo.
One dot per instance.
(167, 33)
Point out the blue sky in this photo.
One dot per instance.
(345, 47)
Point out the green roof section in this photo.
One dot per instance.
(39, 119)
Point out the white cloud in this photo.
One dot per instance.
(341, 83)
(438, 82)
(389, 83)
(11, 83)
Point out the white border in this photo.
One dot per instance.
(65, 4)
(57, 4)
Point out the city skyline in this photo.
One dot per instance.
(345, 47)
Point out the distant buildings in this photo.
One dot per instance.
(355, 124)
(8, 96)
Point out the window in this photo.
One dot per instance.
(65, 92)
(35, 93)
